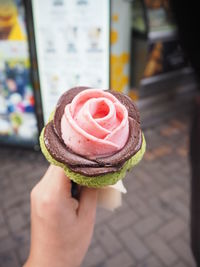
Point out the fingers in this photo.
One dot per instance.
(57, 186)
(87, 203)
(51, 197)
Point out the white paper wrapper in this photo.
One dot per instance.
(110, 197)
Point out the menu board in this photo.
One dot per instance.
(18, 122)
(72, 43)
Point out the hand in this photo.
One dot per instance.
(61, 226)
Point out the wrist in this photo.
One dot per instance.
(47, 262)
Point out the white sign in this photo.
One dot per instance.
(72, 43)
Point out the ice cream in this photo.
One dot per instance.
(95, 124)
(109, 120)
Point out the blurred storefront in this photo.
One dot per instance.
(51, 45)
(158, 62)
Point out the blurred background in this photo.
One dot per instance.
(49, 46)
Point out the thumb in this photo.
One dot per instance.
(88, 203)
(56, 182)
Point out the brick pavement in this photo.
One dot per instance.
(151, 229)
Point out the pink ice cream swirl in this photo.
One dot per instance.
(95, 124)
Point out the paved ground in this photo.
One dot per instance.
(151, 229)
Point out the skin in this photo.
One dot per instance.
(61, 226)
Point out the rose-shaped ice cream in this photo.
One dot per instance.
(95, 124)
(94, 135)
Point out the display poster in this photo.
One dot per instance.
(164, 57)
(72, 44)
(159, 15)
(18, 122)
